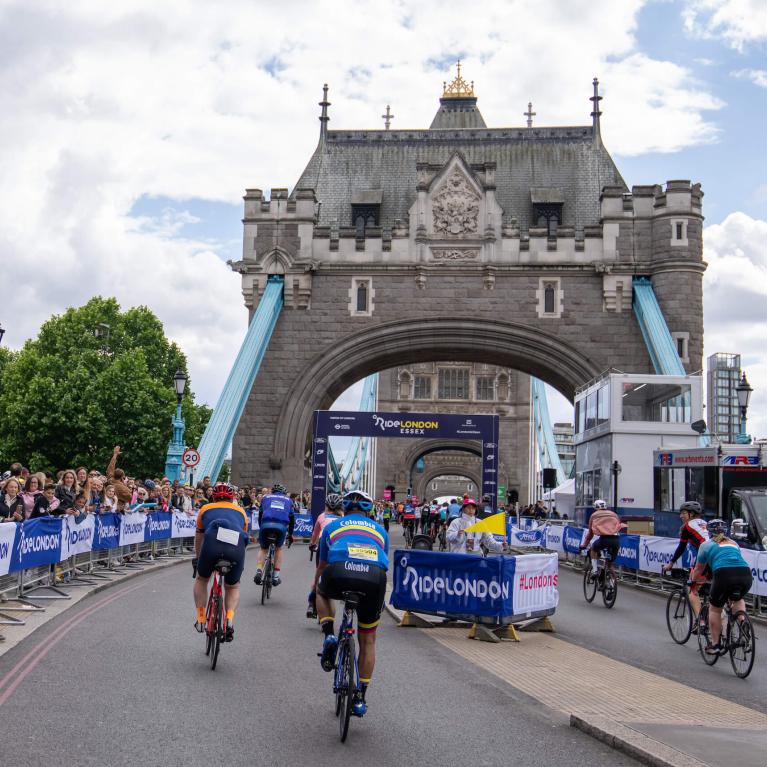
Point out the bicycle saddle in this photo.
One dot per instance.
(223, 566)
(351, 598)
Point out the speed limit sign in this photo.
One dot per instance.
(191, 458)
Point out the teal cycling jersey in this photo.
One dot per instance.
(356, 538)
(719, 555)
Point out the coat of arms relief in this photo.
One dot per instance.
(455, 207)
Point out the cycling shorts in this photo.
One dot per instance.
(609, 544)
(336, 579)
(728, 583)
(213, 550)
(272, 532)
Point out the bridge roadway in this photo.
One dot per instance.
(122, 679)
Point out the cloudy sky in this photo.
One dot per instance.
(130, 130)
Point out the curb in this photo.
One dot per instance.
(46, 618)
(634, 744)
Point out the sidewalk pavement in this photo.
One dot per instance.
(656, 720)
(77, 591)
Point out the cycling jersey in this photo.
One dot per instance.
(275, 508)
(223, 512)
(454, 511)
(719, 555)
(355, 539)
(231, 517)
(409, 512)
(694, 533)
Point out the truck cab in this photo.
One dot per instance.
(746, 513)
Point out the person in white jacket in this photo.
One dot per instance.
(461, 542)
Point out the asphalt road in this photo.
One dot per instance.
(635, 632)
(122, 679)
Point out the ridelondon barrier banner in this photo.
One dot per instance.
(49, 540)
(462, 584)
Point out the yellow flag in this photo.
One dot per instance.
(495, 524)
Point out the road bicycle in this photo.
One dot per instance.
(215, 623)
(346, 678)
(409, 533)
(679, 612)
(603, 580)
(266, 579)
(738, 637)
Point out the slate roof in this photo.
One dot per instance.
(568, 159)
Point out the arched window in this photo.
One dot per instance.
(548, 298)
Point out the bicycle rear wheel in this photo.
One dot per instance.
(267, 578)
(218, 633)
(349, 688)
(339, 676)
(742, 644)
(704, 637)
(589, 583)
(208, 635)
(609, 589)
(679, 616)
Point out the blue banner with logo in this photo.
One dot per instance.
(628, 553)
(107, 532)
(453, 584)
(303, 526)
(38, 542)
(572, 539)
(158, 525)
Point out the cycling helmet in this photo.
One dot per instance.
(357, 499)
(600, 504)
(691, 507)
(716, 527)
(149, 484)
(333, 501)
(278, 487)
(223, 492)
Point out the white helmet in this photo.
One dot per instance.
(600, 504)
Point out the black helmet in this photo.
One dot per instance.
(692, 508)
(278, 487)
(716, 527)
(333, 501)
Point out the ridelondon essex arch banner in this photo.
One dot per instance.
(340, 423)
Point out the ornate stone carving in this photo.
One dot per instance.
(455, 207)
(454, 254)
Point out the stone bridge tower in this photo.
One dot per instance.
(503, 246)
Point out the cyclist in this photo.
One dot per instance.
(276, 519)
(211, 545)
(332, 511)
(693, 533)
(732, 577)
(453, 510)
(408, 517)
(353, 557)
(604, 528)
(386, 516)
(424, 512)
(462, 542)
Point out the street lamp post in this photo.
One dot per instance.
(176, 445)
(2, 333)
(743, 390)
(616, 470)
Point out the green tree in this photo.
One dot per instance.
(95, 377)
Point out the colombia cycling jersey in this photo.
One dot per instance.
(356, 538)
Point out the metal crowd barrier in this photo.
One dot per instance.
(21, 591)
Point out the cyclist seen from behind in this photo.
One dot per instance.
(221, 533)
(732, 578)
(276, 519)
(694, 533)
(604, 528)
(354, 556)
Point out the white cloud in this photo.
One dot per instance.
(735, 294)
(756, 76)
(737, 22)
(105, 103)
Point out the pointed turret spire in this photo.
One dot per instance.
(324, 116)
(596, 113)
(529, 114)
